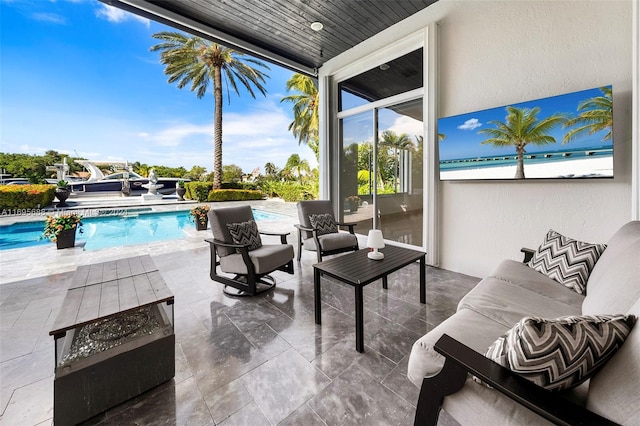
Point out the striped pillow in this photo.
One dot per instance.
(566, 260)
(561, 353)
(324, 223)
(245, 233)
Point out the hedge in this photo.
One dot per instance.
(234, 195)
(21, 197)
(198, 191)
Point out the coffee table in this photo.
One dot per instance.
(357, 270)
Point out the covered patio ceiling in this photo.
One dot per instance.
(280, 30)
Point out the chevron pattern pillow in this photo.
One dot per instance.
(245, 233)
(325, 223)
(561, 353)
(566, 260)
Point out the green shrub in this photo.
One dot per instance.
(14, 197)
(290, 190)
(233, 195)
(198, 191)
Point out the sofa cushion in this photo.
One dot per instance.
(507, 303)
(324, 223)
(566, 260)
(245, 233)
(472, 328)
(614, 284)
(614, 392)
(560, 353)
(521, 275)
(265, 259)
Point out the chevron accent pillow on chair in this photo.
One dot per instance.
(325, 223)
(561, 353)
(566, 260)
(245, 233)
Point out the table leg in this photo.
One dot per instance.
(423, 284)
(384, 282)
(359, 320)
(316, 295)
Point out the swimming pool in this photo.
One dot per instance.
(100, 232)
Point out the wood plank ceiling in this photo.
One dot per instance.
(279, 30)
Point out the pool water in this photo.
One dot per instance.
(114, 231)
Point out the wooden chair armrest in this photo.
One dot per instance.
(303, 228)
(350, 225)
(550, 405)
(223, 244)
(282, 235)
(528, 254)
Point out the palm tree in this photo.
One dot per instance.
(296, 165)
(195, 61)
(596, 115)
(305, 110)
(397, 142)
(270, 169)
(522, 127)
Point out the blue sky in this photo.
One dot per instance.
(463, 140)
(77, 76)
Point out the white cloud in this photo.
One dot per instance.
(51, 18)
(115, 15)
(408, 125)
(470, 124)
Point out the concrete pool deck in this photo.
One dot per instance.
(45, 260)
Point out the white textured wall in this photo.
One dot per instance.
(494, 53)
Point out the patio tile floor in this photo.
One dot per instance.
(250, 361)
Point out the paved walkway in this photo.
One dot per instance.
(39, 261)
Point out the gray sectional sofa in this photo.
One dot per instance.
(514, 291)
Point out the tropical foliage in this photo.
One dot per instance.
(520, 128)
(305, 124)
(53, 225)
(34, 167)
(200, 63)
(596, 115)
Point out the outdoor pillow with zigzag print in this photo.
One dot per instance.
(560, 353)
(566, 260)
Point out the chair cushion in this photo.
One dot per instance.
(307, 208)
(265, 259)
(245, 233)
(332, 241)
(566, 260)
(324, 223)
(560, 353)
(218, 218)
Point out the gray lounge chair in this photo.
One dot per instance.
(323, 238)
(235, 250)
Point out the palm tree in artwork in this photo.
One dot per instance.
(522, 127)
(596, 115)
(305, 110)
(199, 62)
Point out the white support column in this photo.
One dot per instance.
(431, 235)
(635, 121)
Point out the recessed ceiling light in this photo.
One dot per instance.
(317, 26)
(384, 67)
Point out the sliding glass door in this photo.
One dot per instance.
(381, 163)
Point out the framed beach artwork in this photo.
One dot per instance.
(568, 136)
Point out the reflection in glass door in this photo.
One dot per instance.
(399, 188)
(355, 177)
(381, 180)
